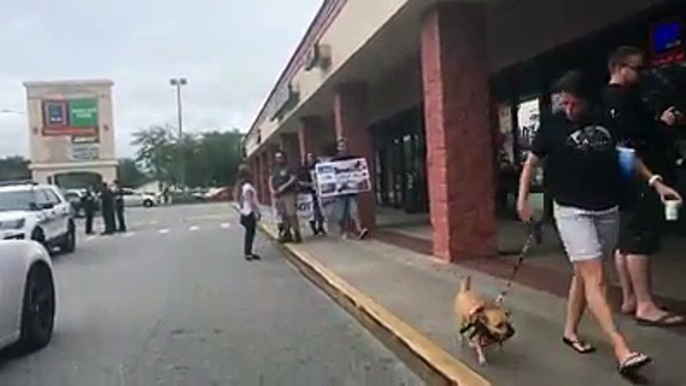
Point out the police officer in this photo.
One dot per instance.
(88, 202)
(107, 199)
(119, 206)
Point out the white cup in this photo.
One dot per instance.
(672, 210)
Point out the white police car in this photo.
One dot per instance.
(30, 211)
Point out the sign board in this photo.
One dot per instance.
(88, 152)
(77, 117)
(343, 177)
(305, 207)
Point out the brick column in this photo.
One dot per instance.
(267, 157)
(255, 171)
(291, 146)
(311, 132)
(350, 113)
(459, 143)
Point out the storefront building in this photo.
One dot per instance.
(71, 132)
(443, 97)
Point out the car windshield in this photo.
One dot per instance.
(16, 200)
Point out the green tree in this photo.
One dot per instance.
(156, 152)
(209, 159)
(129, 174)
(14, 168)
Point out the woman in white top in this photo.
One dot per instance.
(250, 210)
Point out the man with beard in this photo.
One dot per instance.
(641, 210)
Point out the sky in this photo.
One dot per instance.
(231, 52)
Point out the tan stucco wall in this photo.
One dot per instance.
(357, 22)
(53, 153)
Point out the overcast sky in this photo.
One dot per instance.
(231, 51)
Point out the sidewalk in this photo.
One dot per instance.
(420, 291)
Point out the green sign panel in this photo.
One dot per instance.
(83, 112)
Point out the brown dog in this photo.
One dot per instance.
(484, 321)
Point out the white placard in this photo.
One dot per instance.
(305, 207)
(343, 177)
(84, 152)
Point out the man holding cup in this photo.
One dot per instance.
(642, 210)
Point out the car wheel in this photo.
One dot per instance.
(148, 204)
(38, 311)
(69, 243)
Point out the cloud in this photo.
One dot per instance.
(231, 52)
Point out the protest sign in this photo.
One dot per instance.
(338, 178)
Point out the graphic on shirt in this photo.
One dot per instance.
(590, 138)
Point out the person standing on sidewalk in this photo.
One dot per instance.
(284, 188)
(346, 209)
(641, 212)
(119, 206)
(307, 180)
(583, 175)
(250, 210)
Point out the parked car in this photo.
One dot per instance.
(30, 211)
(137, 198)
(28, 302)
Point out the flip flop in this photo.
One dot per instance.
(634, 362)
(663, 321)
(578, 345)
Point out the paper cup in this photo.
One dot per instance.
(672, 210)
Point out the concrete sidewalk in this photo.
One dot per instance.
(420, 291)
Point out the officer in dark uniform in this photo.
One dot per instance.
(107, 199)
(88, 202)
(119, 206)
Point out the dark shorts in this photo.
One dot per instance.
(639, 225)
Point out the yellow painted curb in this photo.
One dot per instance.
(444, 367)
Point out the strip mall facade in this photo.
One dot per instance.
(435, 93)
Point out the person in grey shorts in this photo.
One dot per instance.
(583, 176)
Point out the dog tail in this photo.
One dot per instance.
(466, 284)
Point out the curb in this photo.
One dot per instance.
(429, 361)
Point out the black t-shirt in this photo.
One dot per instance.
(306, 175)
(639, 128)
(581, 162)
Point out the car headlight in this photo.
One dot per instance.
(12, 224)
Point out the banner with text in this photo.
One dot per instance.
(338, 178)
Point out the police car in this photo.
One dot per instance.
(30, 211)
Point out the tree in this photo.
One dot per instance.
(14, 168)
(129, 174)
(209, 159)
(156, 152)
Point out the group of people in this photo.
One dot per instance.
(285, 184)
(111, 207)
(608, 170)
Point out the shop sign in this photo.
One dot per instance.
(83, 153)
(75, 117)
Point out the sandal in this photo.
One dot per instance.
(668, 320)
(578, 345)
(634, 362)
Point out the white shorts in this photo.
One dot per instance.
(587, 234)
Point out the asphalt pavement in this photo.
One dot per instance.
(173, 302)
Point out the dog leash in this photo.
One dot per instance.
(531, 226)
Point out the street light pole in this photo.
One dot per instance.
(178, 83)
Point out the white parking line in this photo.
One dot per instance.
(90, 238)
(153, 222)
(194, 228)
(129, 234)
(225, 225)
(164, 231)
